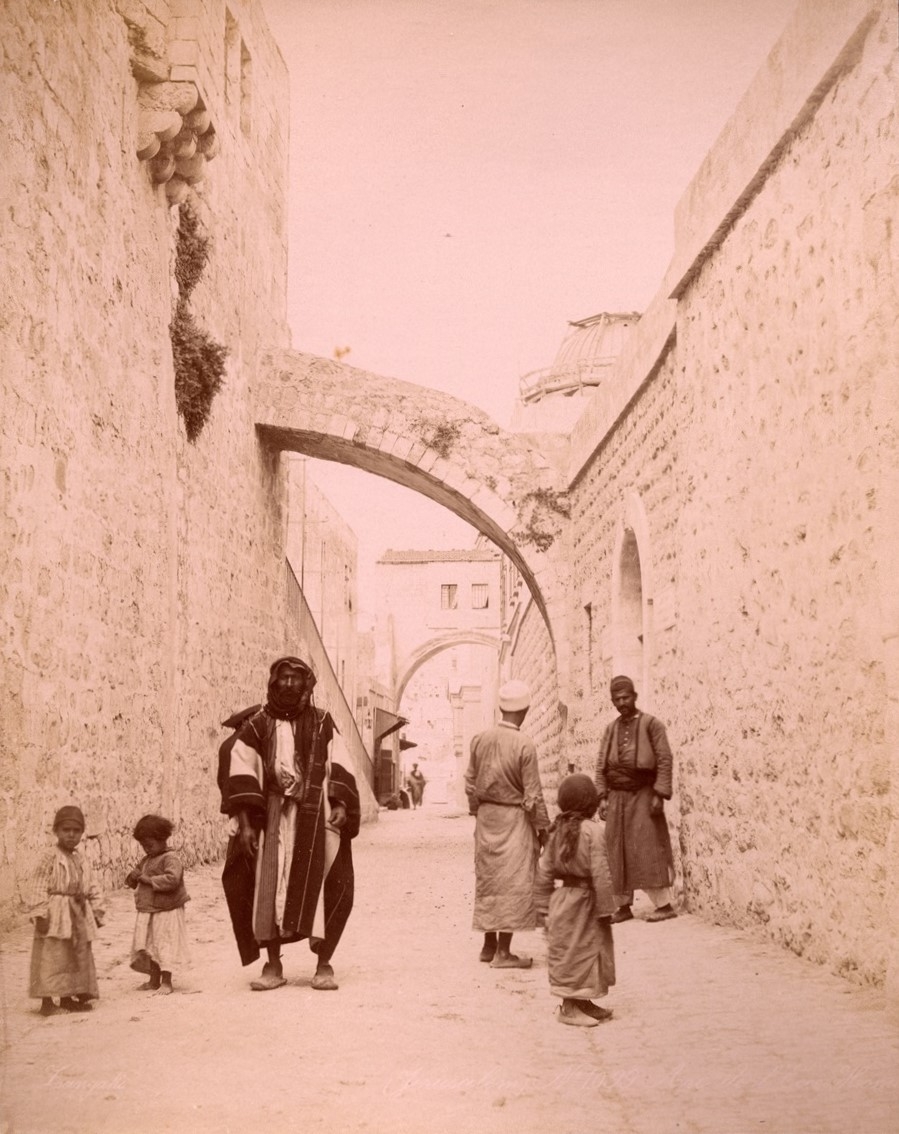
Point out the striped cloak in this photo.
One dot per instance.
(301, 882)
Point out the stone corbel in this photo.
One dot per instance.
(175, 135)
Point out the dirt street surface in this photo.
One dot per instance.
(714, 1032)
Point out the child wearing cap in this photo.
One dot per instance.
(577, 912)
(67, 908)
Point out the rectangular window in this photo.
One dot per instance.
(480, 596)
(449, 596)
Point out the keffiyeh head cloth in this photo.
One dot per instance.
(288, 704)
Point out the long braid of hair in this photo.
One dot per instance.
(567, 830)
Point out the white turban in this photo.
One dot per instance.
(514, 696)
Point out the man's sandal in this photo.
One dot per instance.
(272, 977)
(510, 961)
(324, 981)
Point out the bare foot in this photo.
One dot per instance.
(148, 986)
(165, 988)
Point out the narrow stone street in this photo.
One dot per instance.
(715, 1031)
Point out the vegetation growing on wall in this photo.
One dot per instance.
(199, 360)
(540, 506)
(440, 436)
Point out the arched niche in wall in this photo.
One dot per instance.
(632, 597)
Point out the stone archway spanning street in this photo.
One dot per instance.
(409, 666)
(434, 444)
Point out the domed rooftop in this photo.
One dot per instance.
(587, 352)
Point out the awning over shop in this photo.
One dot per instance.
(385, 723)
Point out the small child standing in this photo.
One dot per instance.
(66, 908)
(581, 958)
(160, 933)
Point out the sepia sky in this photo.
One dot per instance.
(469, 175)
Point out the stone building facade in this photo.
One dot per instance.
(142, 589)
(734, 504)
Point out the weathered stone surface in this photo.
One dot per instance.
(751, 475)
(147, 145)
(172, 96)
(176, 190)
(122, 545)
(162, 167)
(198, 120)
(165, 124)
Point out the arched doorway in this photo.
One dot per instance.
(632, 598)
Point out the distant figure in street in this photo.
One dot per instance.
(160, 944)
(289, 869)
(633, 779)
(504, 793)
(415, 782)
(67, 909)
(577, 913)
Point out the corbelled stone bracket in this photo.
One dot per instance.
(175, 135)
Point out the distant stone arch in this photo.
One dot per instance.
(427, 650)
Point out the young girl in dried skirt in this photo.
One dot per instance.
(160, 933)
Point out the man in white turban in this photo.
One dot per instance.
(504, 793)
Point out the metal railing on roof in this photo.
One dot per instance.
(568, 379)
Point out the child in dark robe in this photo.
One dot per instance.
(581, 958)
(66, 908)
(160, 932)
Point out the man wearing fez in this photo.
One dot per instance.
(289, 870)
(504, 793)
(633, 779)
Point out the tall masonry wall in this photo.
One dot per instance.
(142, 580)
(750, 449)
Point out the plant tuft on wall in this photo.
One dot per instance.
(441, 436)
(198, 359)
(199, 369)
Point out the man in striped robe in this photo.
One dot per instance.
(289, 870)
(633, 779)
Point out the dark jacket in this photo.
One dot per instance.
(653, 751)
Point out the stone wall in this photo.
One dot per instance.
(142, 580)
(745, 447)
(786, 344)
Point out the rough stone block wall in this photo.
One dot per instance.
(641, 456)
(762, 450)
(142, 581)
(785, 351)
